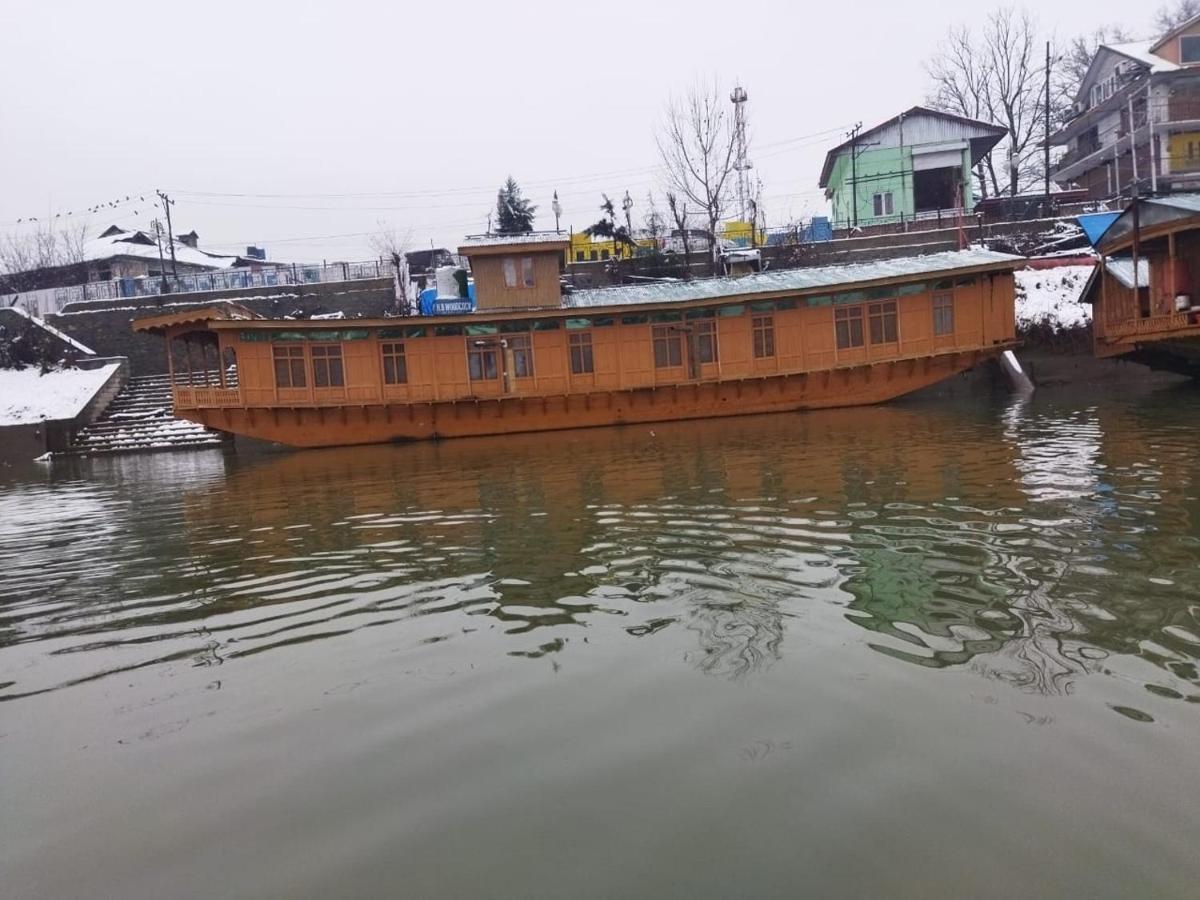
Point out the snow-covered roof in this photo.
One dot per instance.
(28, 397)
(1139, 51)
(1152, 211)
(503, 240)
(1121, 268)
(66, 338)
(810, 279)
(137, 243)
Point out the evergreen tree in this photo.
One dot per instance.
(514, 214)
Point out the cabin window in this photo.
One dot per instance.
(522, 351)
(848, 322)
(327, 366)
(395, 367)
(764, 336)
(882, 317)
(289, 367)
(527, 271)
(1189, 48)
(581, 353)
(483, 363)
(943, 314)
(883, 204)
(510, 272)
(668, 347)
(706, 341)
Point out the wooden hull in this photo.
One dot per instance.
(349, 424)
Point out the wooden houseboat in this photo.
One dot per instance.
(1143, 292)
(531, 358)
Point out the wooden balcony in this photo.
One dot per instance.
(187, 397)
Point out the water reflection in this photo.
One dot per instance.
(1030, 544)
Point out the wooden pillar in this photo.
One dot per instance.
(1172, 269)
(170, 336)
(220, 365)
(187, 345)
(204, 359)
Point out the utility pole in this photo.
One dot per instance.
(167, 203)
(1047, 148)
(1133, 146)
(853, 132)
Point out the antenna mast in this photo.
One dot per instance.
(741, 164)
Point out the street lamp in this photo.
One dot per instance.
(557, 207)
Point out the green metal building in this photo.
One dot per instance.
(916, 165)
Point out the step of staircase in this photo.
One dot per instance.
(140, 419)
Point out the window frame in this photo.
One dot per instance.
(848, 323)
(294, 356)
(708, 350)
(329, 359)
(521, 346)
(669, 340)
(943, 303)
(528, 273)
(509, 266)
(394, 352)
(1195, 38)
(580, 353)
(883, 203)
(762, 331)
(883, 314)
(483, 351)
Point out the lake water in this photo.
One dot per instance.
(908, 651)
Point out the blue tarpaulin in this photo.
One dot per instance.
(1095, 224)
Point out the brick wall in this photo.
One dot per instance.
(106, 326)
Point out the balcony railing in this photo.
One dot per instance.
(206, 397)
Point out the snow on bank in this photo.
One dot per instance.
(28, 397)
(1051, 297)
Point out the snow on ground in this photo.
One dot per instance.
(28, 397)
(1051, 296)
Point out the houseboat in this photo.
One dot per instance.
(532, 358)
(1144, 305)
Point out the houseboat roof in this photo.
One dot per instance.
(808, 279)
(160, 322)
(1152, 212)
(495, 243)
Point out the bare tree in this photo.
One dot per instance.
(654, 223)
(997, 76)
(391, 245)
(679, 212)
(23, 256)
(1171, 16)
(698, 151)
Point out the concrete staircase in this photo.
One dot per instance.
(139, 419)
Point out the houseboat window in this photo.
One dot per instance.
(545, 325)
(786, 303)
(327, 366)
(882, 317)
(483, 361)
(411, 331)
(579, 323)
(527, 271)
(289, 367)
(943, 313)
(668, 347)
(1189, 48)
(908, 290)
(522, 351)
(581, 353)
(447, 330)
(883, 204)
(395, 368)
(848, 322)
(818, 301)
(946, 284)
(479, 330)
(706, 341)
(764, 336)
(735, 309)
(602, 321)
(700, 314)
(762, 306)
(637, 319)
(965, 282)
(667, 317)
(514, 327)
(510, 272)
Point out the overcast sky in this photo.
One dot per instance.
(300, 126)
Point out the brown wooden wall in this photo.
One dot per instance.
(623, 354)
(491, 292)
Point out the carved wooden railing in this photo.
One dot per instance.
(1152, 325)
(202, 397)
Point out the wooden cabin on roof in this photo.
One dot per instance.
(1144, 291)
(517, 271)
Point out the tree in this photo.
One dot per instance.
(997, 76)
(392, 246)
(1170, 17)
(608, 227)
(698, 150)
(22, 256)
(514, 214)
(679, 212)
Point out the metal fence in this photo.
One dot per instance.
(50, 300)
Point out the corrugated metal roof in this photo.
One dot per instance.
(1122, 269)
(1187, 202)
(810, 279)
